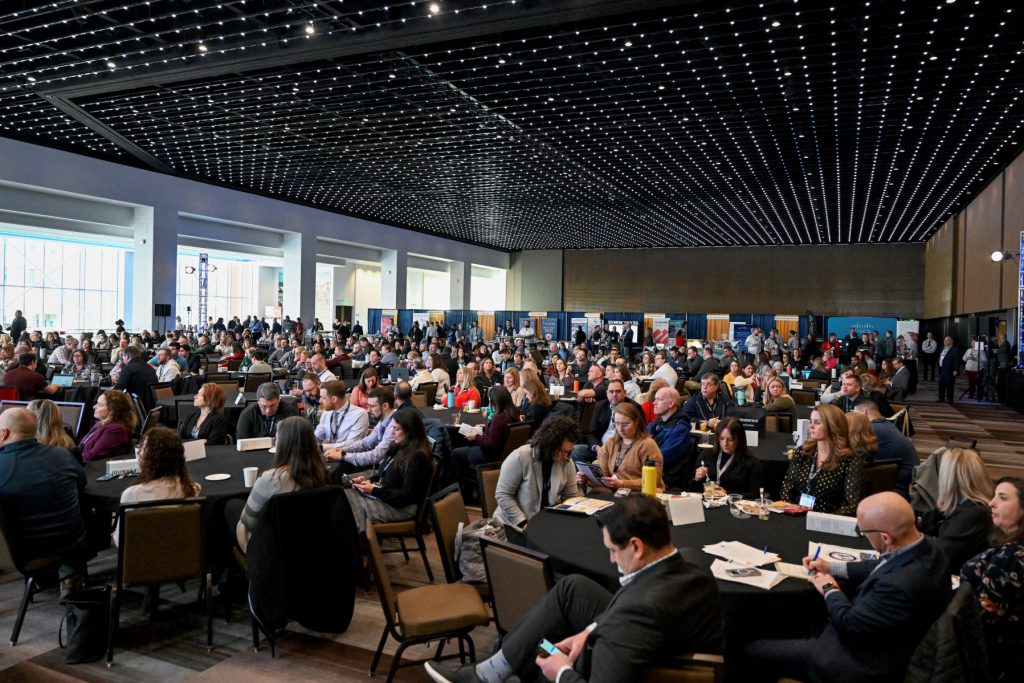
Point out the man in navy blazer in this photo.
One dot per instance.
(892, 601)
(949, 361)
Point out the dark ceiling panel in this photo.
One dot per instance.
(698, 124)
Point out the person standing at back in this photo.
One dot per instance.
(17, 327)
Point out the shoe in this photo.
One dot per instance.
(443, 672)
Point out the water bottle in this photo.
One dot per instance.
(762, 507)
(741, 397)
(649, 479)
(451, 399)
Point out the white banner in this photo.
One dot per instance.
(660, 332)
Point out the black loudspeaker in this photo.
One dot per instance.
(162, 310)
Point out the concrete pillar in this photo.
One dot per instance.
(460, 275)
(155, 266)
(393, 276)
(299, 277)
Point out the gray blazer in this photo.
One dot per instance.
(521, 481)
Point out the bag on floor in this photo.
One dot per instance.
(87, 623)
(467, 547)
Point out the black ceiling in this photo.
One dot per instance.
(528, 125)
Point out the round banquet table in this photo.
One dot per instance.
(792, 609)
(447, 418)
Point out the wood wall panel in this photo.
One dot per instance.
(828, 280)
(1013, 223)
(940, 272)
(982, 235)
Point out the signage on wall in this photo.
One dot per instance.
(537, 314)
(860, 325)
(660, 331)
(549, 328)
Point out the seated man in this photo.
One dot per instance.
(61, 356)
(340, 421)
(358, 454)
(29, 383)
(167, 369)
(602, 426)
(40, 488)
(595, 388)
(671, 431)
(259, 365)
(851, 393)
(666, 607)
(710, 404)
(135, 375)
(261, 419)
(872, 632)
(662, 370)
(893, 446)
(690, 367)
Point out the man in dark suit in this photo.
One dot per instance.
(900, 382)
(601, 427)
(136, 376)
(262, 418)
(949, 361)
(666, 607)
(18, 326)
(893, 600)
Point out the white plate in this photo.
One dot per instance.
(217, 477)
(437, 407)
(475, 410)
(272, 450)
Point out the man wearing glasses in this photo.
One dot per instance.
(877, 620)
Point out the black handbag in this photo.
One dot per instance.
(87, 623)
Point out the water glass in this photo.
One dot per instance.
(734, 509)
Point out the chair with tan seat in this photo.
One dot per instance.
(161, 390)
(424, 614)
(447, 511)
(428, 390)
(519, 579)
(692, 668)
(162, 541)
(413, 528)
(804, 397)
(487, 475)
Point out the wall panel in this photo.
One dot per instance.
(940, 272)
(828, 280)
(982, 236)
(1013, 223)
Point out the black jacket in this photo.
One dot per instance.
(252, 425)
(744, 475)
(960, 535)
(214, 428)
(599, 422)
(135, 378)
(400, 488)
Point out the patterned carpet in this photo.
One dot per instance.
(172, 648)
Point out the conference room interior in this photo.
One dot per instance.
(691, 167)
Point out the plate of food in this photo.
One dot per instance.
(437, 407)
(719, 492)
(472, 410)
(749, 506)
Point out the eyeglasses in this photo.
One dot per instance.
(861, 532)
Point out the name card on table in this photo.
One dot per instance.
(255, 444)
(801, 431)
(685, 510)
(751, 438)
(195, 450)
(832, 524)
(126, 466)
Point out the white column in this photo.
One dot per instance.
(155, 266)
(460, 279)
(299, 276)
(393, 278)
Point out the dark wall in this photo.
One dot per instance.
(885, 280)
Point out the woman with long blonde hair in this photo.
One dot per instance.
(961, 523)
(50, 424)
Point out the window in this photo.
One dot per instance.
(229, 291)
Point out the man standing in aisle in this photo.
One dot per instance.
(929, 355)
(948, 363)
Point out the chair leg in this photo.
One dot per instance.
(462, 650)
(396, 660)
(255, 635)
(25, 599)
(115, 616)
(380, 651)
(440, 648)
(472, 648)
(423, 554)
(405, 551)
(209, 611)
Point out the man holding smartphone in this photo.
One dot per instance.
(664, 608)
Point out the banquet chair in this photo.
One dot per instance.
(586, 415)
(221, 378)
(152, 420)
(160, 390)
(421, 400)
(234, 364)
(517, 435)
(691, 668)
(428, 390)
(447, 512)
(487, 475)
(779, 422)
(953, 649)
(804, 397)
(162, 541)
(424, 614)
(413, 528)
(879, 477)
(253, 381)
(519, 579)
(10, 394)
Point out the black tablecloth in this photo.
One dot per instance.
(793, 608)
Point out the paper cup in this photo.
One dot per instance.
(249, 476)
(471, 405)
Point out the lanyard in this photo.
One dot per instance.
(815, 470)
(718, 465)
(711, 409)
(341, 421)
(270, 427)
(621, 456)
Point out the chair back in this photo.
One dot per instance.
(901, 419)
(10, 394)
(254, 380)
(814, 383)
(447, 511)
(586, 415)
(953, 649)
(778, 422)
(234, 364)
(421, 400)
(221, 378)
(518, 434)
(152, 420)
(692, 668)
(804, 397)
(388, 601)
(161, 390)
(428, 389)
(880, 477)
(161, 541)
(955, 441)
(519, 579)
(487, 476)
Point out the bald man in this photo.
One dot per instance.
(39, 489)
(877, 619)
(671, 431)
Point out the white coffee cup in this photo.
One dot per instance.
(471, 405)
(249, 476)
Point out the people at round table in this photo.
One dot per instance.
(486, 447)
(399, 483)
(536, 406)
(778, 400)
(730, 465)
(465, 388)
(208, 422)
(368, 381)
(420, 374)
(961, 523)
(298, 466)
(50, 429)
(825, 473)
(163, 474)
(513, 385)
(559, 373)
(622, 456)
(81, 367)
(111, 434)
(997, 577)
(538, 474)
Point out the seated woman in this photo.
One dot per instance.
(537, 475)
(513, 386)
(559, 374)
(486, 447)
(163, 473)
(622, 457)
(622, 373)
(730, 377)
(360, 396)
(209, 423)
(749, 382)
(732, 466)
(50, 429)
(995, 575)
(863, 441)
(489, 376)
(298, 465)
(647, 400)
(818, 370)
(825, 475)
(440, 374)
(887, 370)
(961, 523)
(80, 366)
(828, 358)
(537, 404)
(465, 388)
(400, 480)
(236, 354)
(646, 365)
(778, 400)
(112, 433)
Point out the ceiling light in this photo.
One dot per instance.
(629, 43)
(776, 23)
(434, 8)
(309, 29)
(202, 47)
(32, 79)
(998, 256)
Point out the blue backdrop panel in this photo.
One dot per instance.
(372, 321)
(862, 324)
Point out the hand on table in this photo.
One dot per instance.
(333, 454)
(815, 566)
(713, 422)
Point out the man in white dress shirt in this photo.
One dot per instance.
(167, 368)
(340, 421)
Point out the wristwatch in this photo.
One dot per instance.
(826, 587)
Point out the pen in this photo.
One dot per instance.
(816, 554)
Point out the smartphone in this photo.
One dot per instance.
(106, 477)
(546, 649)
(742, 572)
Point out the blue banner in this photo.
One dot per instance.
(549, 328)
(841, 326)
